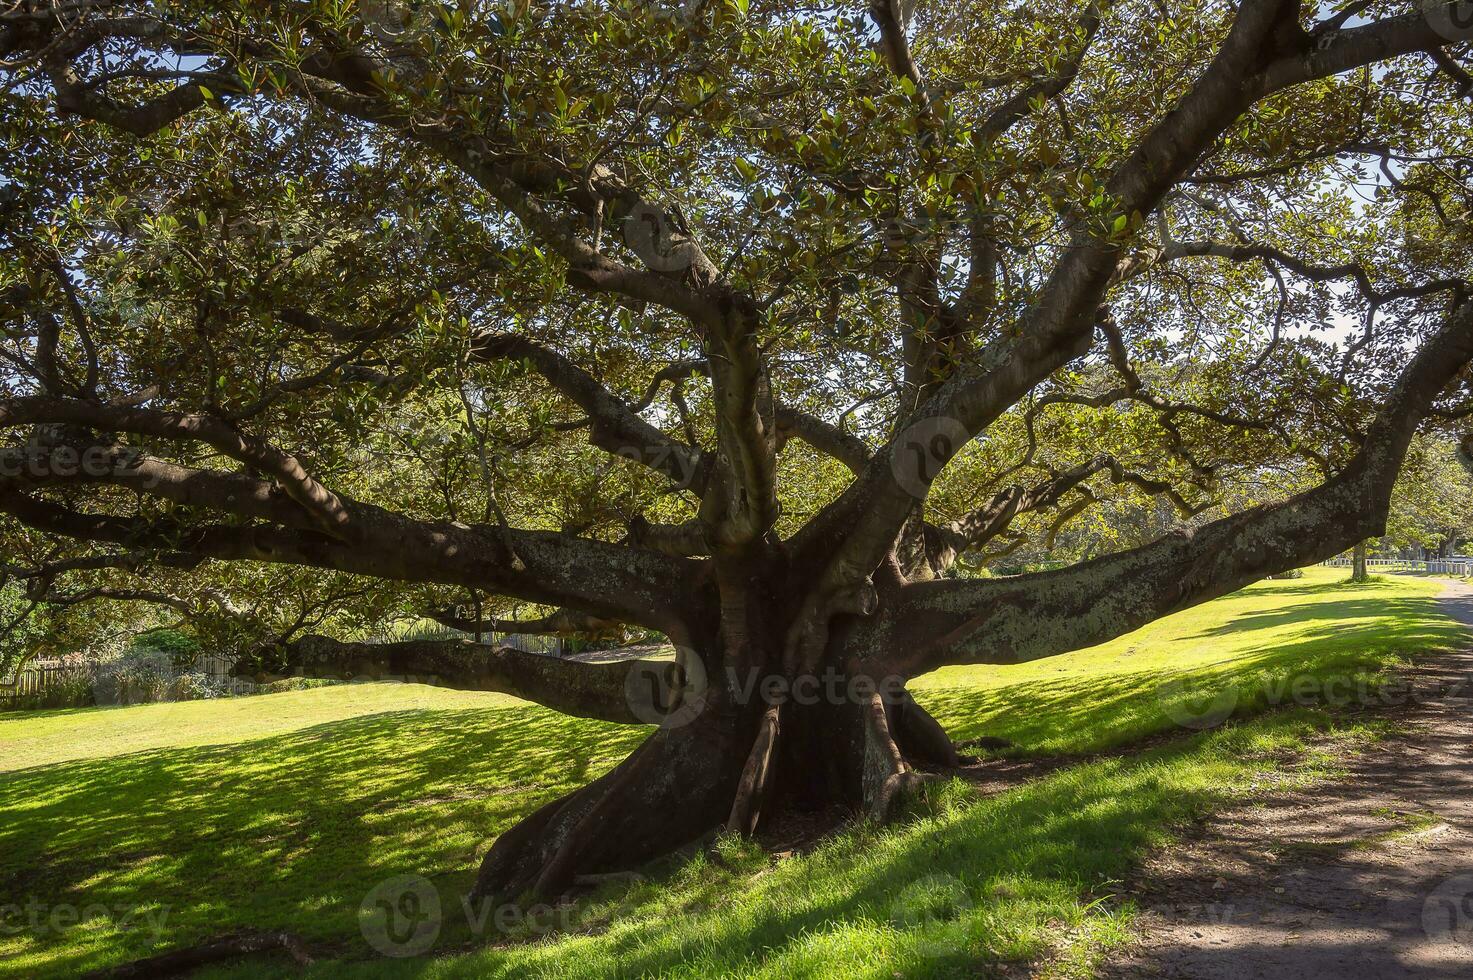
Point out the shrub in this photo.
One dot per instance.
(180, 648)
(139, 676)
(193, 685)
(71, 691)
(146, 672)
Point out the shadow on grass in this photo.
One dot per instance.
(972, 885)
(288, 831)
(1350, 641)
(293, 830)
(1411, 614)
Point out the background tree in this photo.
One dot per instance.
(737, 323)
(1432, 505)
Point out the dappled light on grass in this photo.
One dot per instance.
(285, 810)
(288, 831)
(1256, 642)
(971, 882)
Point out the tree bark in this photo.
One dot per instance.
(1359, 572)
(837, 744)
(625, 691)
(677, 786)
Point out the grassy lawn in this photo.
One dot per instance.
(1254, 644)
(164, 824)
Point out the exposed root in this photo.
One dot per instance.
(921, 737)
(746, 808)
(519, 855)
(728, 768)
(558, 873)
(674, 788)
(888, 778)
(228, 947)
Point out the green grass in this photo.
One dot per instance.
(1028, 874)
(265, 815)
(1311, 629)
(285, 810)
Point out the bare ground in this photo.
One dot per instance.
(1367, 878)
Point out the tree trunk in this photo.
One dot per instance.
(1359, 572)
(763, 743)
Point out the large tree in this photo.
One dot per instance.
(734, 322)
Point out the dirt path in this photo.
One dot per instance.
(1370, 878)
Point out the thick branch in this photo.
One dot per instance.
(615, 427)
(563, 622)
(827, 438)
(603, 579)
(872, 511)
(1015, 620)
(620, 691)
(746, 429)
(317, 500)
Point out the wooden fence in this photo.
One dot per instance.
(1462, 568)
(38, 677)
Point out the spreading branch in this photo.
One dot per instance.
(1033, 616)
(624, 691)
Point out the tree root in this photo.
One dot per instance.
(888, 778)
(673, 789)
(228, 947)
(746, 808)
(728, 769)
(559, 871)
(921, 737)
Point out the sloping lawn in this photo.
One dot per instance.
(162, 825)
(1242, 652)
